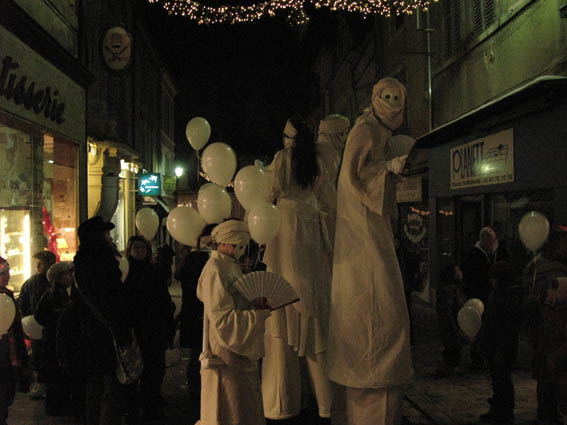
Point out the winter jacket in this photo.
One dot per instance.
(476, 265)
(31, 292)
(153, 308)
(450, 298)
(551, 355)
(99, 280)
(47, 315)
(191, 318)
(498, 336)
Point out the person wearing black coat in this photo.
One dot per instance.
(98, 278)
(450, 298)
(498, 340)
(191, 315)
(154, 309)
(30, 294)
(60, 384)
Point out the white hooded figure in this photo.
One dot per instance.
(369, 350)
(233, 338)
(301, 253)
(333, 131)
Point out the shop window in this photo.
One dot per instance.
(16, 187)
(60, 195)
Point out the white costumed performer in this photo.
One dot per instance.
(230, 383)
(300, 252)
(333, 131)
(369, 351)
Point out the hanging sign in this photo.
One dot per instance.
(409, 190)
(483, 162)
(149, 184)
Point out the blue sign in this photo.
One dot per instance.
(149, 184)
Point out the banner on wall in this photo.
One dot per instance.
(482, 162)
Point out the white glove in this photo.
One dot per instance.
(396, 165)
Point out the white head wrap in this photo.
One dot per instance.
(390, 112)
(234, 232)
(56, 269)
(289, 132)
(334, 123)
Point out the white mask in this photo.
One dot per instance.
(239, 251)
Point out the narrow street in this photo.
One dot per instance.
(452, 400)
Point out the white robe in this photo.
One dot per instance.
(231, 394)
(330, 152)
(369, 323)
(301, 253)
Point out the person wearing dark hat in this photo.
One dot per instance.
(98, 279)
(498, 339)
(30, 294)
(13, 353)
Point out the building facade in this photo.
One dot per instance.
(484, 82)
(43, 95)
(130, 110)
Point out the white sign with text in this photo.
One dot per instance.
(485, 161)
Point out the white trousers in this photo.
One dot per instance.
(368, 406)
(281, 381)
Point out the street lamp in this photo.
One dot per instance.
(178, 171)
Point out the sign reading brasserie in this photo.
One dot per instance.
(485, 161)
(16, 86)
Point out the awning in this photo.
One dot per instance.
(546, 86)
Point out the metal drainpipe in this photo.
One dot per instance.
(427, 32)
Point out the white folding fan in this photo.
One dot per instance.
(271, 287)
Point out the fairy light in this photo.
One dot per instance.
(295, 13)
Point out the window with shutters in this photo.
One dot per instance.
(483, 15)
(452, 27)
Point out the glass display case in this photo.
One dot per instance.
(15, 244)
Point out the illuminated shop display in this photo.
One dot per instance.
(38, 198)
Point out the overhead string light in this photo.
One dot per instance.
(295, 13)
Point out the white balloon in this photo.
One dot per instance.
(147, 222)
(185, 225)
(198, 132)
(124, 266)
(477, 304)
(33, 329)
(219, 163)
(7, 313)
(251, 186)
(469, 320)
(534, 229)
(214, 203)
(264, 222)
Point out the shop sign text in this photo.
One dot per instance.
(485, 161)
(17, 87)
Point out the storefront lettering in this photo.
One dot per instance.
(467, 160)
(40, 100)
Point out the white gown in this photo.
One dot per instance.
(230, 395)
(300, 252)
(369, 323)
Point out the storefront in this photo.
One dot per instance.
(42, 138)
(112, 172)
(492, 166)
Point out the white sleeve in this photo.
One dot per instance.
(240, 331)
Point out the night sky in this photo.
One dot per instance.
(245, 79)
